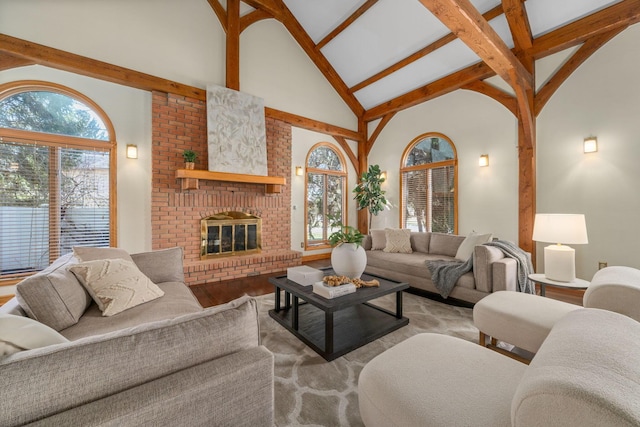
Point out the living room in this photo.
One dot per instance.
(186, 44)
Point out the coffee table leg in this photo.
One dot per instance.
(294, 314)
(277, 304)
(287, 300)
(328, 332)
(399, 304)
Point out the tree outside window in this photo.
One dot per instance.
(325, 199)
(429, 185)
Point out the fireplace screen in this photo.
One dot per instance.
(230, 233)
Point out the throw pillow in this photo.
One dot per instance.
(465, 250)
(19, 333)
(90, 253)
(116, 284)
(398, 240)
(378, 240)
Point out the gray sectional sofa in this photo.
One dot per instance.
(492, 271)
(166, 362)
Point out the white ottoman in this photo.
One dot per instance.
(523, 320)
(438, 380)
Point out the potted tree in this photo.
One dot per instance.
(369, 193)
(189, 157)
(348, 257)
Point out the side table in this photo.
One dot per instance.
(541, 280)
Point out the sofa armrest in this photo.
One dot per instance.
(615, 289)
(160, 266)
(492, 271)
(56, 378)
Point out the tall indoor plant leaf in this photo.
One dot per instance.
(369, 193)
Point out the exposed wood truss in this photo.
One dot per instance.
(351, 19)
(8, 61)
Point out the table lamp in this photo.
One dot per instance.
(559, 259)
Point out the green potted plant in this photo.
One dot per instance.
(369, 193)
(348, 257)
(189, 157)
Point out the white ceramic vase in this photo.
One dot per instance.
(349, 260)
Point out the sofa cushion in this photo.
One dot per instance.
(445, 244)
(19, 333)
(378, 240)
(420, 241)
(54, 296)
(177, 301)
(115, 284)
(90, 253)
(398, 240)
(165, 265)
(465, 250)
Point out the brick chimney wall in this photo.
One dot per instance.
(180, 123)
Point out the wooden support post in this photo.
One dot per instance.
(233, 44)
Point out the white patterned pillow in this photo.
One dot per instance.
(398, 240)
(115, 284)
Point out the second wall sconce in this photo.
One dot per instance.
(484, 160)
(299, 171)
(591, 144)
(132, 151)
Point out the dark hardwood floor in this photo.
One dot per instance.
(210, 294)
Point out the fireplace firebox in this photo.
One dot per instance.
(230, 233)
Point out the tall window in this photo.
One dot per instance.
(57, 176)
(429, 182)
(326, 199)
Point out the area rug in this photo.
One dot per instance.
(310, 391)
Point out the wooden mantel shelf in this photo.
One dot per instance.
(190, 177)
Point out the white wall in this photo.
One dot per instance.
(488, 197)
(301, 142)
(602, 99)
(130, 112)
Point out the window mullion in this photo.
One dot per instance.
(54, 203)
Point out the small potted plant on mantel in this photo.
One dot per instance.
(348, 257)
(190, 157)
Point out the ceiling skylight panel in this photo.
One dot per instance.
(390, 31)
(442, 62)
(547, 15)
(319, 17)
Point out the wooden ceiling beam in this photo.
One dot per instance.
(220, 13)
(252, 18)
(71, 62)
(310, 124)
(479, 71)
(586, 50)
(8, 61)
(504, 98)
(344, 24)
(345, 146)
(273, 7)
(518, 21)
(493, 13)
(374, 136)
(619, 15)
(462, 18)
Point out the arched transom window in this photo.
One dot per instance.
(325, 206)
(428, 176)
(57, 175)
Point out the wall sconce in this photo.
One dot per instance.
(132, 151)
(484, 160)
(591, 144)
(383, 175)
(299, 171)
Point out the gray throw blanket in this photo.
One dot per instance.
(445, 274)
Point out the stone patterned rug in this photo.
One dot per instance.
(310, 391)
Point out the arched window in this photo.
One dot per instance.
(57, 175)
(429, 180)
(325, 205)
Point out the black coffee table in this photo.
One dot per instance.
(334, 327)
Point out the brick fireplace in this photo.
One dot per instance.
(181, 123)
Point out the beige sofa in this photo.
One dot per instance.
(492, 271)
(166, 362)
(585, 374)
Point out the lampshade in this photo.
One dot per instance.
(560, 228)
